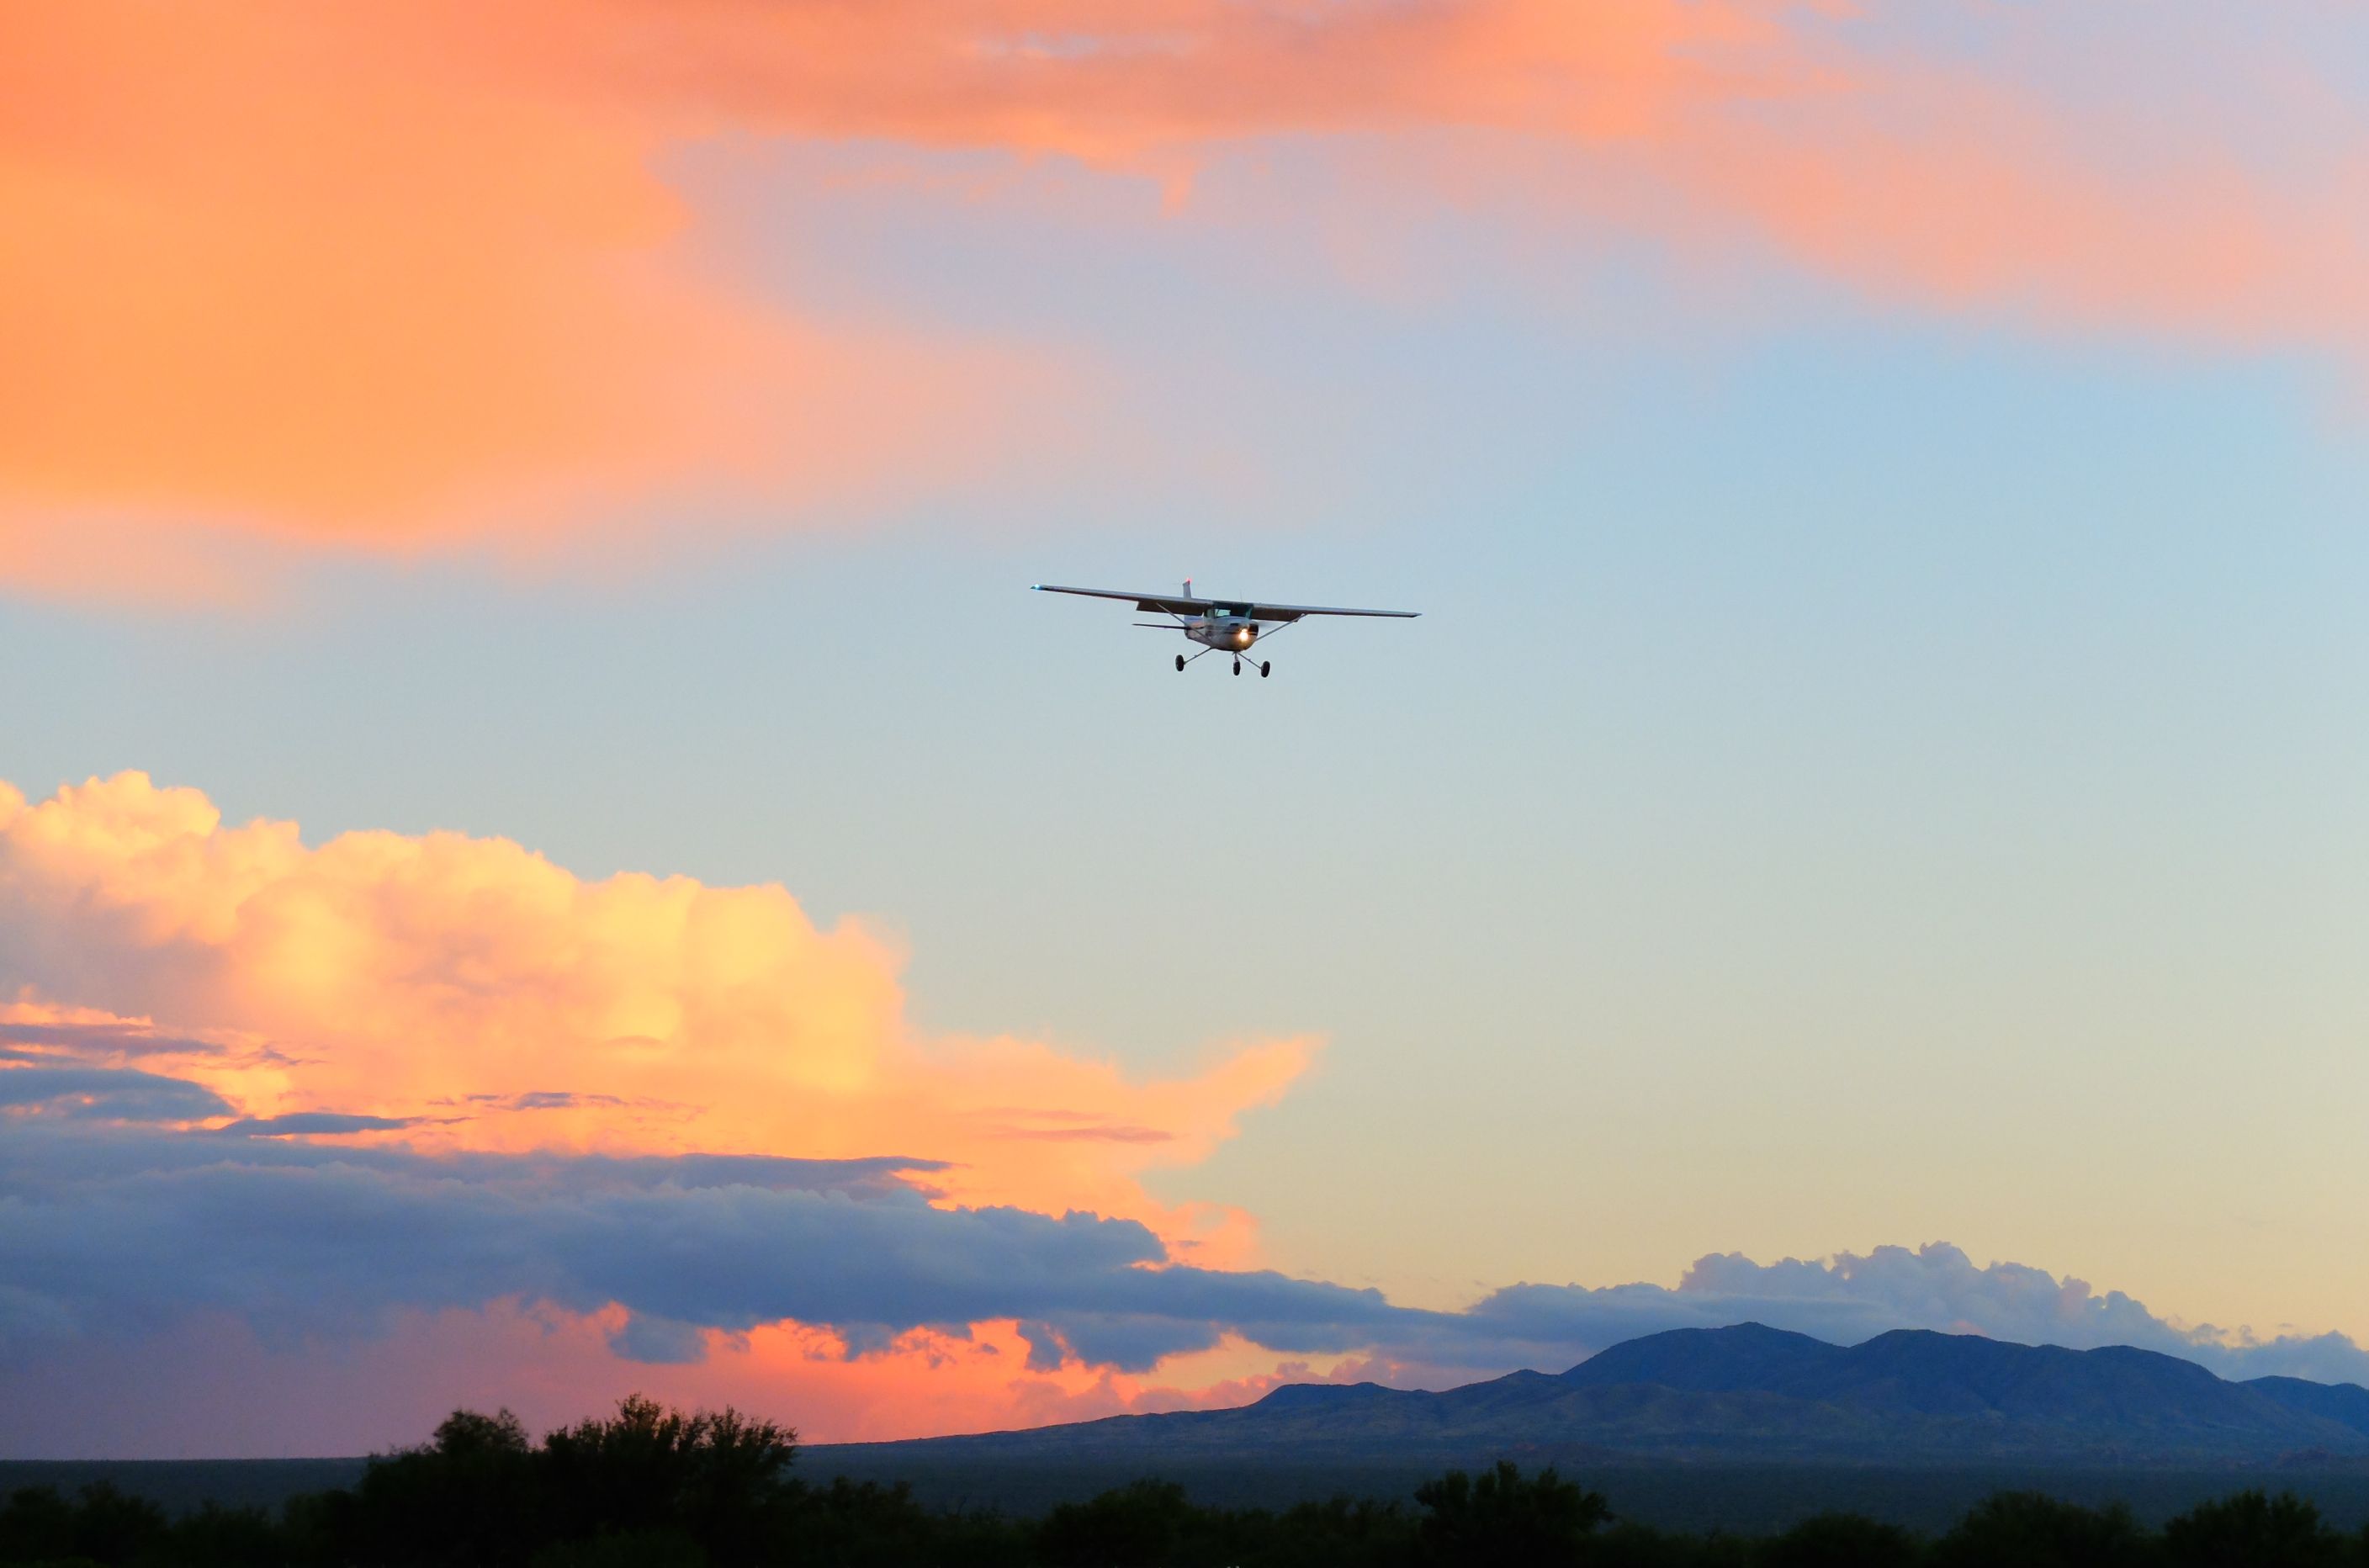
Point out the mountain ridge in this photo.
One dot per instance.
(1752, 1391)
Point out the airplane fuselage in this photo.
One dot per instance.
(1231, 632)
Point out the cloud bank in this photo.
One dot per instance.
(131, 1232)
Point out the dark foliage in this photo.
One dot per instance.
(2250, 1527)
(1839, 1539)
(1500, 1516)
(101, 1525)
(2039, 1531)
(650, 1487)
(1140, 1526)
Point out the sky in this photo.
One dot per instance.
(546, 850)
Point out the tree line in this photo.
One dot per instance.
(652, 1487)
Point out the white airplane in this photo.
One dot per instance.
(1231, 625)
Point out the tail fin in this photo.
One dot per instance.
(1188, 588)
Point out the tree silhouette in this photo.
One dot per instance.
(35, 1524)
(1840, 1540)
(2249, 1529)
(1500, 1518)
(1136, 1526)
(102, 1526)
(718, 1478)
(2039, 1531)
(467, 1497)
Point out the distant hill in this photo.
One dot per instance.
(1748, 1392)
(180, 1485)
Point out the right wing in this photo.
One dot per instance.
(1157, 603)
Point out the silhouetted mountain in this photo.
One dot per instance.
(1752, 1391)
(2130, 1393)
(2344, 1402)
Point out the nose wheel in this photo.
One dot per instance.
(1238, 667)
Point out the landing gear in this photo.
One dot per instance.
(1263, 667)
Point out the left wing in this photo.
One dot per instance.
(1173, 605)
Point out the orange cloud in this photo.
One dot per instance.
(1935, 189)
(362, 273)
(490, 999)
(406, 276)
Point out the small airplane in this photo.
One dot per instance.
(1231, 625)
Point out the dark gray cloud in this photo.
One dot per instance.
(540, 1100)
(664, 1342)
(316, 1123)
(113, 1232)
(1046, 1351)
(117, 1038)
(107, 1093)
(49, 1166)
(117, 1230)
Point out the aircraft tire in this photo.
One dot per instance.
(1180, 664)
(1266, 668)
(1238, 667)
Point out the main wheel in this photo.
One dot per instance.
(1266, 669)
(1180, 664)
(1238, 667)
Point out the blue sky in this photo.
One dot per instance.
(1896, 722)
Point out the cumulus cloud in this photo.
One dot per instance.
(492, 999)
(683, 1105)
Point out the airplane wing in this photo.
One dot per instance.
(1293, 612)
(1172, 604)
